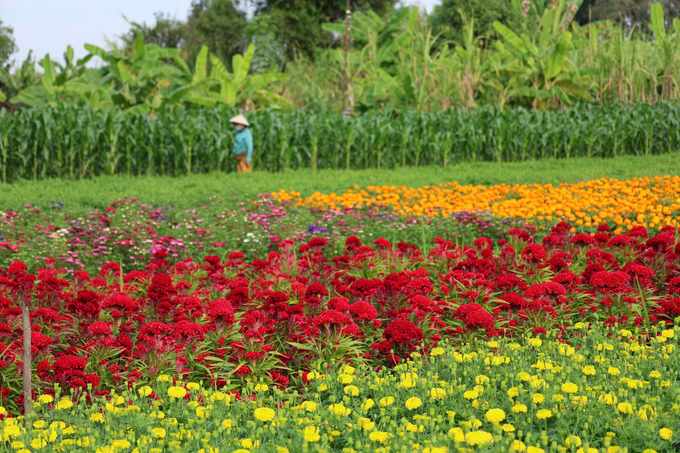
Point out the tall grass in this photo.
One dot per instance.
(72, 142)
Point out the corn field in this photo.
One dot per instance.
(72, 142)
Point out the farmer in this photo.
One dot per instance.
(243, 144)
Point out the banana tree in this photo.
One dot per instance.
(666, 46)
(149, 79)
(237, 88)
(62, 83)
(536, 66)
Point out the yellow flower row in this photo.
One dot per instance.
(604, 393)
(652, 202)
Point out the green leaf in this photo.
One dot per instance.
(218, 71)
(658, 23)
(97, 51)
(47, 65)
(3, 97)
(241, 72)
(139, 47)
(201, 71)
(125, 75)
(510, 36)
(546, 32)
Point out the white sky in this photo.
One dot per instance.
(48, 26)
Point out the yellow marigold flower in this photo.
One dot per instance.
(351, 390)
(311, 376)
(435, 450)
(495, 415)
(524, 376)
(517, 408)
(264, 414)
(589, 370)
(97, 418)
(531, 449)
(613, 371)
(348, 369)
(339, 409)
(281, 449)
(470, 395)
(346, 378)
(386, 401)
(513, 392)
(17, 445)
(481, 379)
(177, 392)
(625, 408)
(38, 443)
(543, 414)
(608, 399)
(668, 333)
(241, 450)
(613, 449)
(163, 378)
(145, 390)
(309, 406)
(436, 352)
(569, 387)
(407, 383)
(478, 437)
(311, 434)
(369, 403)
(158, 433)
(40, 424)
(538, 398)
(379, 436)
(437, 393)
(572, 441)
(44, 399)
(194, 386)
(665, 433)
(413, 403)
(517, 446)
(535, 342)
(323, 387)
(64, 403)
(655, 375)
(457, 434)
(649, 450)
(120, 444)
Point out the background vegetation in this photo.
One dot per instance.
(541, 54)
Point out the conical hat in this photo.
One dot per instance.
(240, 119)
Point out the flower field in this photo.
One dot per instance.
(557, 344)
(650, 202)
(444, 318)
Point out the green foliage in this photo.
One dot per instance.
(166, 32)
(217, 24)
(299, 22)
(7, 44)
(449, 18)
(70, 82)
(78, 142)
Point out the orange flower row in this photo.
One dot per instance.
(651, 202)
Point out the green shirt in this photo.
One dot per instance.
(243, 143)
